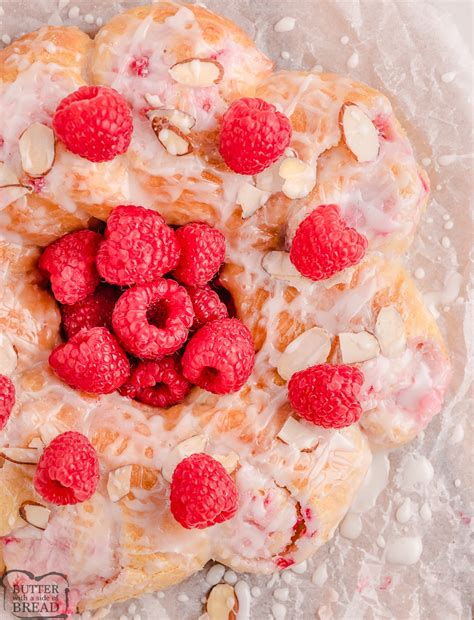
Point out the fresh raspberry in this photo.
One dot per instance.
(94, 122)
(139, 247)
(327, 394)
(253, 135)
(207, 305)
(140, 66)
(153, 320)
(91, 361)
(68, 470)
(159, 384)
(324, 244)
(70, 263)
(202, 492)
(202, 253)
(93, 311)
(7, 400)
(220, 356)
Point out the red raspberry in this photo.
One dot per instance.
(140, 66)
(7, 400)
(68, 470)
(220, 356)
(139, 247)
(94, 122)
(324, 244)
(91, 361)
(202, 492)
(93, 311)
(253, 135)
(159, 384)
(202, 253)
(207, 305)
(153, 320)
(70, 263)
(327, 394)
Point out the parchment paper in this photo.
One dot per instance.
(412, 51)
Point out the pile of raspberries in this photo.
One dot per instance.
(140, 313)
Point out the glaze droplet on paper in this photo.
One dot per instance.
(373, 484)
(417, 471)
(353, 61)
(285, 24)
(320, 575)
(403, 513)
(405, 550)
(351, 526)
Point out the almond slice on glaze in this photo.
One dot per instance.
(172, 139)
(221, 602)
(278, 265)
(10, 187)
(21, 456)
(119, 482)
(192, 445)
(299, 177)
(228, 461)
(309, 348)
(37, 149)
(197, 72)
(390, 332)
(35, 514)
(299, 435)
(8, 356)
(358, 347)
(251, 199)
(183, 121)
(360, 134)
(342, 277)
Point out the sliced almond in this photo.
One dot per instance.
(192, 445)
(390, 332)
(251, 198)
(178, 118)
(170, 137)
(118, 483)
(360, 134)
(37, 149)
(35, 514)
(36, 443)
(221, 602)
(197, 72)
(22, 456)
(10, 187)
(153, 100)
(228, 461)
(299, 177)
(278, 265)
(342, 277)
(8, 356)
(358, 347)
(298, 434)
(309, 348)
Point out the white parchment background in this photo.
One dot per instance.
(413, 52)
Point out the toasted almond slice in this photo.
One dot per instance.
(8, 356)
(358, 347)
(119, 481)
(299, 177)
(22, 456)
(178, 118)
(37, 149)
(251, 198)
(153, 100)
(10, 187)
(197, 72)
(192, 445)
(360, 134)
(228, 461)
(301, 436)
(36, 443)
(342, 277)
(309, 348)
(221, 602)
(390, 332)
(170, 137)
(35, 514)
(278, 265)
